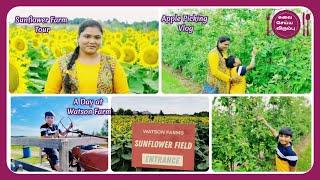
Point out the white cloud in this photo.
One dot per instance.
(13, 111)
(26, 105)
(23, 120)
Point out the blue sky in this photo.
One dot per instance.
(27, 114)
(169, 105)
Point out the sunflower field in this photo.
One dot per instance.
(282, 65)
(121, 143)
(241, 142)
(31, 55)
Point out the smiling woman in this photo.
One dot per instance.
(85, 70)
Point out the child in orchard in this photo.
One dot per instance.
(286, 158)
(234, 63)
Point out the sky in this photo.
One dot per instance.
(169, 105)
(123, 14)
(27, 114)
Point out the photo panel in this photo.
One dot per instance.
(262, 134)
(102, 50)
(236, 50)
(159, 134)
(262, 56)
(66, 134)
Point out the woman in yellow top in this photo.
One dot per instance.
(86, 70)
(234, 64)
(219, 78)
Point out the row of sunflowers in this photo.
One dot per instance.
(31, 55)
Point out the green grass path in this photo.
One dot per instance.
(175, 83)
(304, 151)
(172, 85)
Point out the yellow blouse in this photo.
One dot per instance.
(238, 88)
(213, 59)
(87, 75)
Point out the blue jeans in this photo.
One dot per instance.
(208, 89)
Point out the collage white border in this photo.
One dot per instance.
(160, 94)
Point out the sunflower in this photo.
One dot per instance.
(108, 37)
(118, 35)
(37, 35)
(149, 56)
(107, 43)
(117, 51)
(45, 40)
(118, 42)
(130, 54)
(108, 51)
(19, 45)
(129, 43)
(17, 81)
(65, 36)
(130, 30)
(142, 44)
(132, 40)
(52, 43)
(68, 48)
(35, 43)
(57, 51)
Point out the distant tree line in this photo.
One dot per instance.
(114, 24)
(129, 112)
(201, 114)
(103, 131)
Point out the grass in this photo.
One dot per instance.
(304, 162)
(172, 85)
(16, 153)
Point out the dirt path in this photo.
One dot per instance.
(194, 87)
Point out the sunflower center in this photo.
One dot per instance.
(129, 55)
(35, 43)
(13, 78)
(20, 45)
(45, 40)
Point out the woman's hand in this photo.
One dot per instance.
(235, 80)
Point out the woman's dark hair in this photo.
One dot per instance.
(230, 61)
(221, 40)
(75, 54)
